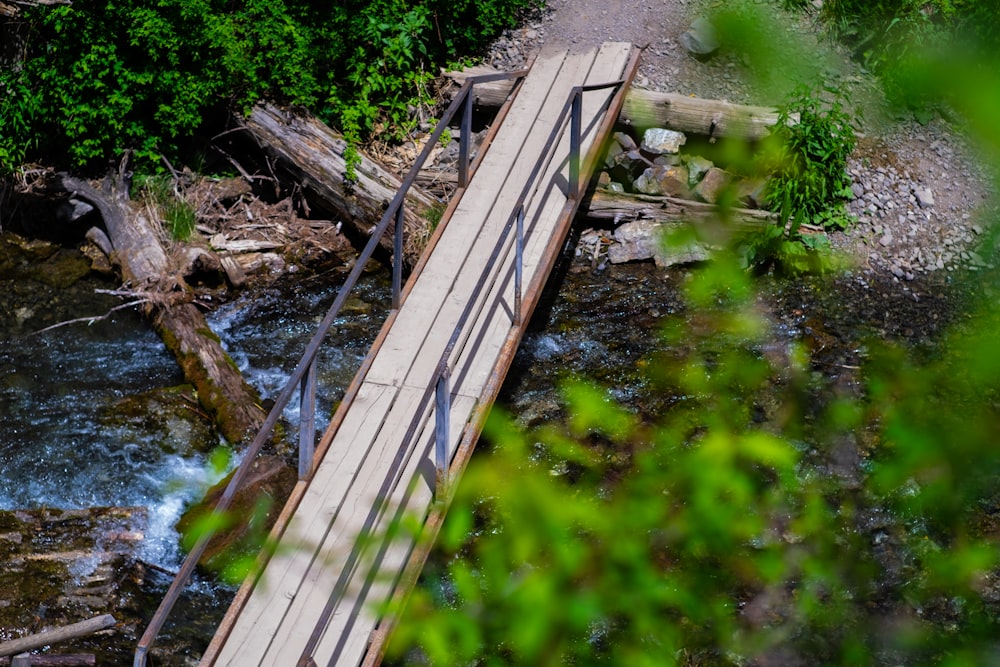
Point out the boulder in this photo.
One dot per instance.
(658, 140)
(663, 180)
(697, 167)
(625, 140)
(711, 185)
(924, 197)
(700, 39)
(644, 239)
(627, 165)
(750, 192)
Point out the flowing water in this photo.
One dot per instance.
(64, 443)
(91, 414)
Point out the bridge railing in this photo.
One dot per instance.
(441, 382)
(303, 378)
(439, 386)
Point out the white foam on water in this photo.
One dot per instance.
(181, 481)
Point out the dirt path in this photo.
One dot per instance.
(896, 233)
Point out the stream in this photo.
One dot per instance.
(67, 439)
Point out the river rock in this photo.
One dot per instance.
(62, 566)
(626, 165)
(644, 239)
(750, 192)
(625, 140)
(658, 140)
(697, 166)
(663, 180)
(270, 482)
(924, 197)
(700, 39)
(712, 185)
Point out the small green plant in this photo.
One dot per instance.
(179, 216)
(808, 159)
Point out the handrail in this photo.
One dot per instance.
(304, 375)
(439, 384)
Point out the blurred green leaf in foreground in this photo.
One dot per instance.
(710, 536)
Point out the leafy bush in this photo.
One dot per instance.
(808, 159)
(100, 78)
(884, 34)
(723, 532)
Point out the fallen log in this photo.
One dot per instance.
(223, 393)
(313, 155)
(711, 118)
(491, 94)
(603, 206)
(647, 108)
(56, 635)
(45, 660)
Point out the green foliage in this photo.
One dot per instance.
(808, 159)
(178, 215)
(884, 34)
(18, 109)
(102, 78)
(723, 532)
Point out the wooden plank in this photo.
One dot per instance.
(377, 580)
(382, 482)
(480, 347)
(498, 173)
(286, 573)
(462, 283)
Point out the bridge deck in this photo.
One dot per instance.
(314, 598)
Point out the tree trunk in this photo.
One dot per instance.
(619, 207)
(647, 108)
(222, 391)
(313, 154)
(711, 118)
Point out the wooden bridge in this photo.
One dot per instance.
(411, 418)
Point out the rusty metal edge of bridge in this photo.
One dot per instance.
(461, 457)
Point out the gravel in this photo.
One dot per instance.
(920, 192)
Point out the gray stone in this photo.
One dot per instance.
(750, 192)
(625, 140)
(657, 140)
(700, 39)
(663, 180)
(614, 150)
(628, 165)
(924, 197)
(668, 160)
(711, 186)
(644, 239)
(697, 167)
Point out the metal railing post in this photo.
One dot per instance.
(442, 416)
(575, 141)
(397, 257)
(465, 140)
(518, 264)
(307, 421)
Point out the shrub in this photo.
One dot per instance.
(808, 159)
(101, 78)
